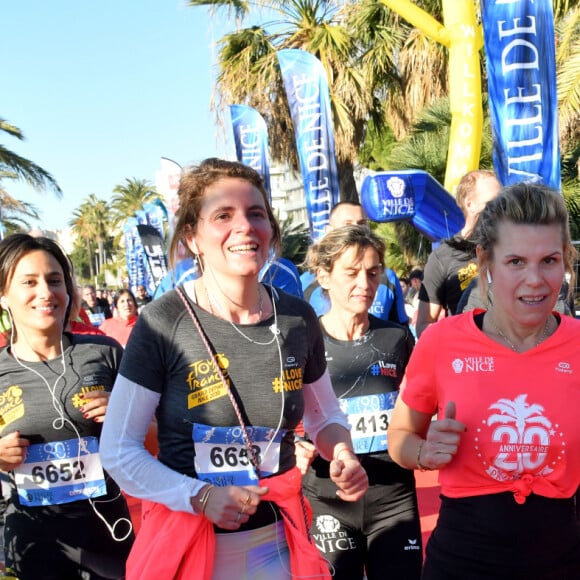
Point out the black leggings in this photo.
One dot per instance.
(379, 534)
(493, 537)
(66, 542)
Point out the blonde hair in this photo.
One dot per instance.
(467, 185)
(324, 253)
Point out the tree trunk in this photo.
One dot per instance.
(346, 182)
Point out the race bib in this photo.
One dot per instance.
(60, 472)
(222, 457)
(96, 319)
(369, 418)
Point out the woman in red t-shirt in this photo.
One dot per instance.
(505, 383)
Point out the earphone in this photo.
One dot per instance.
(488, 277)
(67, 302)
(194, 247)
(60, 422)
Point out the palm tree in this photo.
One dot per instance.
(567, 29)
(13, 213)
(295, 241)
(129, 197)
(91, 223)
(406, 70)
(249, 73)
(383, 73)
(22, 168)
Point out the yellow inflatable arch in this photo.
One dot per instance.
(461, 34)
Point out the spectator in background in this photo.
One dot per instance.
(415, 281)
(78, 320)
(412, 297)
(120, 326)
(142, 297)
(110, 297)
(388, 304)
(452, 265)
(282, 273)
(97, 309)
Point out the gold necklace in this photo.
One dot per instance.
(511, 344)
(273, 328)
(210, 304)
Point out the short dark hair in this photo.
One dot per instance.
(416, 274)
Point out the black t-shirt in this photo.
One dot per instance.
(373, 364)
(449, 270)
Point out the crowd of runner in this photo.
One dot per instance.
(290, 418)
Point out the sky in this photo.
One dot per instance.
(103, 90)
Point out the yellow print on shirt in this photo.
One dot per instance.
(466, 275)
(292, 379)
(11, 406)
(78, 401)
(204, 381)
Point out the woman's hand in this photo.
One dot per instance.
(442, 441)
(230, 507)
(95, 405)
(348, 474)
(305, 454)
(12, 450)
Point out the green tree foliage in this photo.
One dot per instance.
(37, 177)
(129, 198)
(91, 224)
(14, 214)
(295, 241)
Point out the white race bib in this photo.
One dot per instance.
(222, 457)
(60, 472)
(369, 418)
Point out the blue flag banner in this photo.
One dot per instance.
(141, 216)
(251, 140)
(414, 196)
(156, 216)
(521, 72)
(308, 96)
(153, 256)
(133, 254)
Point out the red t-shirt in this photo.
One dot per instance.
(521, 409)
(118, 328)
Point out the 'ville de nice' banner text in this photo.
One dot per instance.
(251, 140)
(519, 47)
(306, 88)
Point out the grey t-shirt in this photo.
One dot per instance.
(166, 354)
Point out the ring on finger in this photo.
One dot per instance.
(243, 509)
(239, 517)
(248, 499)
